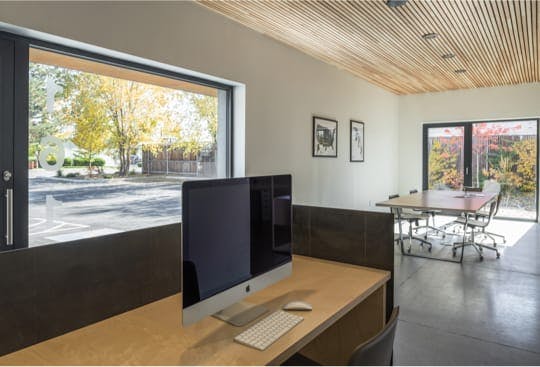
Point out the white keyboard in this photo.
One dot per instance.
(268, 330)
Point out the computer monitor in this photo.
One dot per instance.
(236, 240)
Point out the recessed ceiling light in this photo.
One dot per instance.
(448, 55)
(395, 3)
(460, 71)
(429, 36)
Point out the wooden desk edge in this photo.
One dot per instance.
(384, 277)
(330, 321)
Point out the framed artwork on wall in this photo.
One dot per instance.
(324, 137)
(357, 141)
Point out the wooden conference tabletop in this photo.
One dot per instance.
(455, 201)
(153, 335)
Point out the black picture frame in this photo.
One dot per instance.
(357, 141)
(324, 137)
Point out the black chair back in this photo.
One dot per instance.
(499, 197)
(377, 351)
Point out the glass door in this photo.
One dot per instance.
(445, 158)
(506, 152)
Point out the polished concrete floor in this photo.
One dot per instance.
(476, 313)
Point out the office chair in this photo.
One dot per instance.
(429, 213)
(492, 186)
(460, 220)
(477, 226)
(376, 351)
(411, 218)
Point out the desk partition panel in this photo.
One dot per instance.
(350, 236)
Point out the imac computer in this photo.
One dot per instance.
(236, 240)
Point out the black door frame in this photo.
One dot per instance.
(467, 153)
(14, 133)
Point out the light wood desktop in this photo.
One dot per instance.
(348, 307)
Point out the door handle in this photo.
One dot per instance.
(466, 170)
(9, 217)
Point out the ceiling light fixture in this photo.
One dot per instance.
(448, 55)
(429, 36)
(460, 71)
(395, 3)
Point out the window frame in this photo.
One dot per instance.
(20, 120)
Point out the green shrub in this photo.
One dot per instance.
(51, 161)
(84, 162)
(68, 162)
(79, 162)
(98, 162)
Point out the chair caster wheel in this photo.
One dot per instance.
(481, 258)
(429, 249)
(453, 254)
(443, 236)
(425, 237)
(409, 251)
(498, 255)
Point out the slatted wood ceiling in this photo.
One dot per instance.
(496, 42)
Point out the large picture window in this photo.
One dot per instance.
(108, 146)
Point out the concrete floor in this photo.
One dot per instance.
(475, 313)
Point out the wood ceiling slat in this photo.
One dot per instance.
(492, 36)
(536, 43)
(503, 44)
(413, 48)
(495, 41)
(476, 32)
(400, 50)
(515, 32)
(460, 19)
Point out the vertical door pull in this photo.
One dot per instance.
(9, 217)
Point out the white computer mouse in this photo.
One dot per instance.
(297, 306)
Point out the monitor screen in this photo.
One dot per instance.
(233, 230)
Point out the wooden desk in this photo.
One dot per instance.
(443, 200)
(348, 307)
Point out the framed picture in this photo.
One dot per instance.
(357, 141)
(324, 137)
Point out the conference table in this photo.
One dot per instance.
(447, 201)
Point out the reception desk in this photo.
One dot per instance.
(348, 308)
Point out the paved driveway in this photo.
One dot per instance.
(88, 208)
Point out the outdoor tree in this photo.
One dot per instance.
(135, 110)
(85, 111)
(442, 163)
(526, 164)
(207, 111)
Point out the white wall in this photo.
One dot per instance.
(284, 88)
(462, 105)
